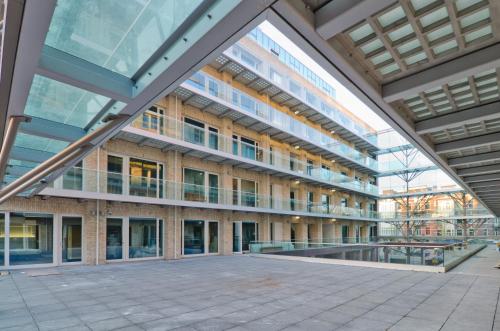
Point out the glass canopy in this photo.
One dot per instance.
(99, 58)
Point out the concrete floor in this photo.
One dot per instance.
(249, 293)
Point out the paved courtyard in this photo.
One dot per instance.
(249, 293)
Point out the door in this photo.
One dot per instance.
(345, 234)
(213, 188)
(71, 239)
(114, 239)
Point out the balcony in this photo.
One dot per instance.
(92, 184)
(245, 67)
(206, 92)
(216, 143)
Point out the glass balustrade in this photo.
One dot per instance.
(203, 137)
(242, 55)
(240, 101)
(116, 183)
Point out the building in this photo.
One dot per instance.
(254, 147)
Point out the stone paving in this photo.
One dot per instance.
(249, 293)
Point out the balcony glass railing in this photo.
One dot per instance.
(242, 55)
(246, 104)
(201, 136)
(114, 183)
(434, 213)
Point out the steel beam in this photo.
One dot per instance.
(488, 169)
(481, 178)
(458, 118)
(479, 185)
(476, 158)
(482, 190)
(465, 143)
(467, 65)
(337, 16)
(53, 130)
(72, 70)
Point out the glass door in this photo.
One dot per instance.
(71, 239)
(194, 185)
(114, 239)
(143, 178)
(236, 237)
(249, 235)
(345, 234)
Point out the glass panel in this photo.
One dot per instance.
(194, 237)
(434, 17)
(143, 178)
(361, 32)
(2, 239)
(391, 16)
(142, 238)
(30, 239)
(114, 240)
(39, 143)
(194, 185)
(58, 102)
(213, 237)
(213, 138)
(71, 239)
(73, 178)
(194, 132)
(118, 35)
(115, 174)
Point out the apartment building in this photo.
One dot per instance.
(254, 147)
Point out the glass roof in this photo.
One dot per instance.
(39, 143)
(58, 102)
(115, 34)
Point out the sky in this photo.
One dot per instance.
(344, 97)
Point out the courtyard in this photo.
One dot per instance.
(251, 293)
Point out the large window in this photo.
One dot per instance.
(142, 238)
(31, 238)
(145, 178)
(200, 237)
(194, 185)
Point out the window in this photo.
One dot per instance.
(276, 77)
(292, 200)
(293, 161)
(325, 203)
(310, 201)
(194, 131)
(200, 237)
(142, 238)
(194, 185)
(295, 88)
(115, 174)
(343, 202)
(2, 239)
(31, 238)
(144, 178)
(310, 167)
(114, 239)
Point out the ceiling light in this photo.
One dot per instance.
(332, 132)
(296, 112)
(297, 147)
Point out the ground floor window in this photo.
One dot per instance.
(31, 239)
(144, 238)
(200, 237)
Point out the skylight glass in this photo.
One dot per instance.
(115, 34)
(58, 102)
